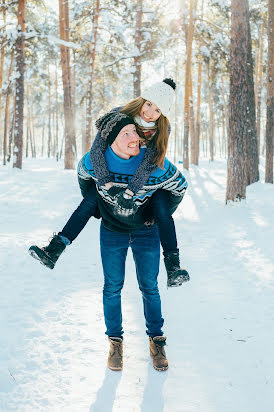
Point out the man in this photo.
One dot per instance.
(119, 232)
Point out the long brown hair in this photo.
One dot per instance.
(132, 109)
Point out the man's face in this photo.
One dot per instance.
(126, 143)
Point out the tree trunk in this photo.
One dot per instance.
(49, 115)
(191, 125)
(43, 138)
(270, 97)
(252, 141)
(11, 133)
(198, 107)
(32, 136)
(7, 111)
(236, 171)
(211, 79)
(92, 56)
(28, 124)
(137, 42)
(69, 129)
(19, 88)
(2, 45)
(258, 94)
(56, 117)
(187, 87)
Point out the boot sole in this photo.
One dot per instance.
(180, 282)
(161, 369)
(115, 369)
(37, 254)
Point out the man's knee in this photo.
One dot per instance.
(112, 289)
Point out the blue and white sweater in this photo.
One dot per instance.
(121, 172)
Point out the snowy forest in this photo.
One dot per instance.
(65, 63)
(62, 67)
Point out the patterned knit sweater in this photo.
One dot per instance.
(121, 173)
(101, 170)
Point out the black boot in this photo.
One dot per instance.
(175, 275)
(48, 255)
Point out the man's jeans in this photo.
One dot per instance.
(145, 247)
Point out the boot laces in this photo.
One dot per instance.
(54, 243)
(117, 347)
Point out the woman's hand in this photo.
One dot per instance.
(125, 205)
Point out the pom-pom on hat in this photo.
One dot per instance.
(111, 124)
(162, 94)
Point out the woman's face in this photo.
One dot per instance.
(150, 112)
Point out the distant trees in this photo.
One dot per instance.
(109, 51)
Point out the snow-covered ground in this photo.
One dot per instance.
(219, 326)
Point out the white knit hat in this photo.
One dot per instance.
(161, 94)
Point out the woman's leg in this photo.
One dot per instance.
(78, 220)
(49, 254)
(161, 212)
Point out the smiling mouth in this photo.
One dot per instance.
(148, 118)
(132, 145)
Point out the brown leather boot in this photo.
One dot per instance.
(115, 355)
(157, 353)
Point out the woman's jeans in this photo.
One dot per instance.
(162, 210)
(146, 253)
(87, 208)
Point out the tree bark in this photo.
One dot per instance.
(69, 128)
(11, 133)
(19, 88)
(187, 87)
(191, 124)
(56, 117)
(2, 45)
(270, 97)
(211, 79)
(198, 106)
(258, 94)
(49, 115)
(236, 171)
(7, 111)
(252, 141)
(137, 42)
(92, 55)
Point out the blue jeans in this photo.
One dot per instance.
(79, 218)
(146, 253)
(161, 210)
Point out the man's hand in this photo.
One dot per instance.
(125, 205)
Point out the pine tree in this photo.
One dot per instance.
(19, 93)
(270, 97)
